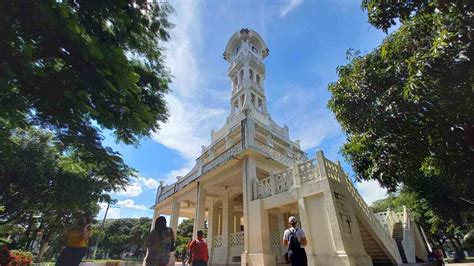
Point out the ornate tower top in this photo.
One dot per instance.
(257, 45)
(245, 53)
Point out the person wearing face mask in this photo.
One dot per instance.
(199, 252)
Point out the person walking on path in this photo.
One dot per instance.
(76, 243)
(295, 239)
(199, 252)
(160, 244)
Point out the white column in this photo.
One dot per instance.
(175, 206)
(200, 209)
(156, 214)
(304, 223)
(282, 225)
(227, 223)
(211, 227)
(256, 222)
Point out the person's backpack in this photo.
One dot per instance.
(293, 245)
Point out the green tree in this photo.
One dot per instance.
(437, 229)
(407, 107)
(45, 190)
(124, 235)
(76, 67)
(117, 234)
(184, 234)
(140, 232)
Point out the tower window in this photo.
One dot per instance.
(251, 74)
(241, 74)
(258, 79)
(260, 105)
(236, 82)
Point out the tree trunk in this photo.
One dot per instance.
(27, 233)
(43, 246)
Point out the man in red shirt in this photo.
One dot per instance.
(198, 248)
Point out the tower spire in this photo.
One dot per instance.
(245, 53)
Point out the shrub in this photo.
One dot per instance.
(5, 256)
(21, 258)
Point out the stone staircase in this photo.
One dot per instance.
(372, 248)
(382, 234)
(398, 236)
(376, 237)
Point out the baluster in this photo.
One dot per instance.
(273, 189)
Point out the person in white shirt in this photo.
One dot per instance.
(295, 239)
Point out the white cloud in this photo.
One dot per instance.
(113, 213)
(371, 191)
(130, 204)
(191, 120)
(188, 127)
(171, 176)
(289, 6)
(311, 129)
(181, 48)
(309, 120)
(132, 190)
(137, 185)
(150, 183)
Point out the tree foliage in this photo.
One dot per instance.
(124, 235)
(407, 107)
(45, 190)
(75, 66)
(419, 208)
(184, 234)
(437, 229)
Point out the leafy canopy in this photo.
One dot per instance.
(76, 66)
(407, 107)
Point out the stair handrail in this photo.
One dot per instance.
(406, 218)
(380, 230)
(391, 220)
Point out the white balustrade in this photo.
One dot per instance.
(283, 180)
(332, 170)
(377, 226)
(275, 239)
(308, 171)
(217, 241)
(264, 188)
(274, 154)
(223, 157)
(237, 239)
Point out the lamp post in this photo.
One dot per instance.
(110, 202)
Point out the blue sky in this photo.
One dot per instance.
(307, 41)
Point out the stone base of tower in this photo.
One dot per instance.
(257, 259)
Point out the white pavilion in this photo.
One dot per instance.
(252, 177)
